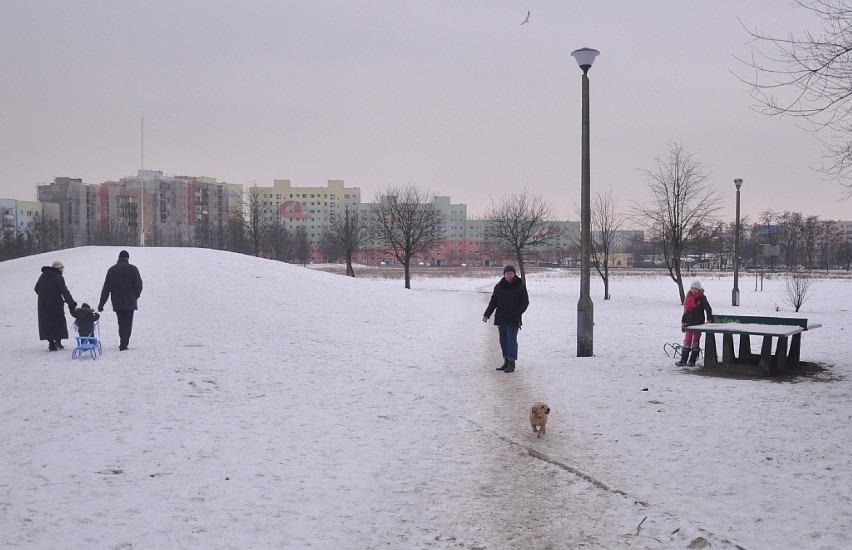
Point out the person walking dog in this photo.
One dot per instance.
(509, 300)
(123, 286)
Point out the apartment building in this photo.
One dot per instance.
(8, 208)
(309, 207)
(844, 229)
(77, 205)
(163, 210)
(184, 210)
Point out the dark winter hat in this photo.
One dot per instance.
(508, 268)
(123, 255)
(85, 306)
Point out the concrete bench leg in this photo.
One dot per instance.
(727, 348)
(795, 351)
(745, 349)
(765, 361)
(711, 360)
(781, 356)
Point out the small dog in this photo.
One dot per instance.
(538, 418)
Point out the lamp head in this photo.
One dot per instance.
(738, 182)
(585, 57)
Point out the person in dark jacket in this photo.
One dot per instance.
(86, 318)
(123, 285)
(510, 300)
(695, 308)
(52, 294)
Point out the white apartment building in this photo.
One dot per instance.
(309, 207)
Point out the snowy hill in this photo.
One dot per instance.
(265, 405)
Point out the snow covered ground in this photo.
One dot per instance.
(265, 405)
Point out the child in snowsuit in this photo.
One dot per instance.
(695, 306)
(86, 318)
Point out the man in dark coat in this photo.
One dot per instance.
(52, 294)
(124, 284)
(510, 300)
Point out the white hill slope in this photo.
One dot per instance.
(265, 405)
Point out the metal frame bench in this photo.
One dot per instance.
(745, 326)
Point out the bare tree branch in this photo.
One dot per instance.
(518, 223)
(349, 232)
(606, 223)
(807, 77)
(409, 222)
(682, 207)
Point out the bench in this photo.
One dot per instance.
(745, 326)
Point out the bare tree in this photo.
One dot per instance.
(829, 244)
(330, 250)
(519, 222)
(278, 241)
(349, 233)
(800, 287)
(258, 218)
(235, 240)
(766, 233)
(111, 233)
(302, 245)
(790, 228)
(844, 254)
(409, 222)
(683, 206)
(606, 223)
(807, 77)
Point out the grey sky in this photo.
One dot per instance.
(454, 96)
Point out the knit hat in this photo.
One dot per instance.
(696, 284)
(85, 306)
(508, 268)
(123, 255)
(57, 264)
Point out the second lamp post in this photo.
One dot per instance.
(735, 294)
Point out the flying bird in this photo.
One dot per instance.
(527, 20)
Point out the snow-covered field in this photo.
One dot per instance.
(265, 405)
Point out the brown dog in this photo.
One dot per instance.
(538, 418)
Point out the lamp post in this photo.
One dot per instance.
(585, 309)
(735, 294)
(142, 179)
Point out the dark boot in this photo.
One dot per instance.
(51, 345)
(693, 357)
(510, 367)
(505, 364)
(683, 356)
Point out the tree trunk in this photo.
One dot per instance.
(406, 265)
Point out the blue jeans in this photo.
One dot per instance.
(509, 341)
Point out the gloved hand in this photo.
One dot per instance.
(100, 308)
(72, 306)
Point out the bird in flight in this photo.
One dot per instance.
(527, 20)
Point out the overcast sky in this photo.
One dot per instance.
(454, 96)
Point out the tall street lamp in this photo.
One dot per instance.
(735, 294)
(585, 310)
(142, 178)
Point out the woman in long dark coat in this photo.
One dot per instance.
(52, 295)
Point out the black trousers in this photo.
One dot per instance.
(125, 325)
